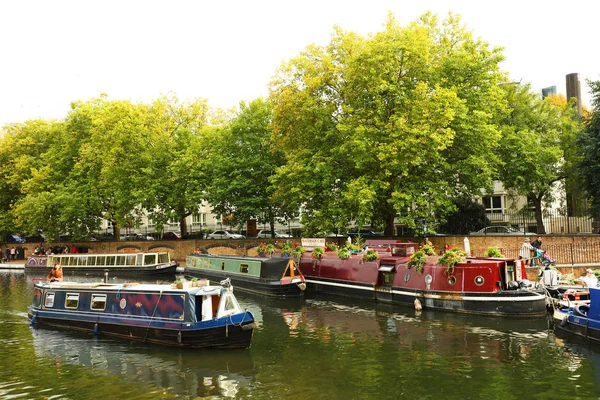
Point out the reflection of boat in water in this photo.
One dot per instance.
(323, 318)
(213, 373)
(196, 317)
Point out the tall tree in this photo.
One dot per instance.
(537, 143)
(390, 126)
(243, 161)
(175, 176)
(589, 149)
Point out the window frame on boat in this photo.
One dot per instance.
(244, 268)
(47, 302)
(72, 297)
(150, 259)
(98, 298)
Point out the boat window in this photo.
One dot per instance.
(244, 268)
(149, 259)
(49, 300)
(91, 260)
(229, 303)
(223, 266)
(82, 260)
(163, 258)
(98, 302)
(139, 259)
(101, 260)
(63, 261)
(387, 278)
(120, 260)
(130, 259)
(72, 300)
(110, 260)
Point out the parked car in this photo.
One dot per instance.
(501, 230)
(141, 236)
(224, 235)
(14, 239)
(171, 236)
(266, 233)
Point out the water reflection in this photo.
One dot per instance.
(207, 373)
(314, 347)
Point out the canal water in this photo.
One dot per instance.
(310, 348)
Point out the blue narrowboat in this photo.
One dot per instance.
(196, 317)
(580, 318)
(279, 277)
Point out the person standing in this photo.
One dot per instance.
(13, 253)
(537, 244)
(7, 254)
(525, 251)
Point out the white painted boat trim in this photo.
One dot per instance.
(533, 297)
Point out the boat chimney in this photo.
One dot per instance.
(105, 276)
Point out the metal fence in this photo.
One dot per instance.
(557, 222)
(565, 254)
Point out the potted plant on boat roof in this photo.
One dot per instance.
(493, 252)
(343, 253)
(331, 247)
(428, 250)
(370, 255)
(286, 249)
(450, 259)
(265, 249)
(417, 261)
(318, 252)
(179, 283)
(297, 252)
(195, 282)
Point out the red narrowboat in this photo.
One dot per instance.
(489, 286)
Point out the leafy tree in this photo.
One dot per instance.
(589, 149)
(393, 125)
(537, 143)
(106, 181)
(243, 161)
(175, 175)
(469, 216)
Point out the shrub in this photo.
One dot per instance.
(331, 246)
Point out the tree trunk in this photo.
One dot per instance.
(183, 226)
(390, 228)
(537, 202)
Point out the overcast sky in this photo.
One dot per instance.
(55, 52)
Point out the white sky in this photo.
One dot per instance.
(55, 52)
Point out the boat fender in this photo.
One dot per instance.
(564, 320)
(33, 319)
(418, 305)
(179, 337)
(96, 328)
(302, 285)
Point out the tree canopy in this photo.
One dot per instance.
(395, 124)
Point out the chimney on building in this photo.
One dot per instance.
(574, 89)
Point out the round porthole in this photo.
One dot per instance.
(123, 303)
(479, 280)
(451, 280)
(428, 279)
(406, 277)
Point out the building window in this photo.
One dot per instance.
(199, 219)
(493, 204)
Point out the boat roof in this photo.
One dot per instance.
(123, 287)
